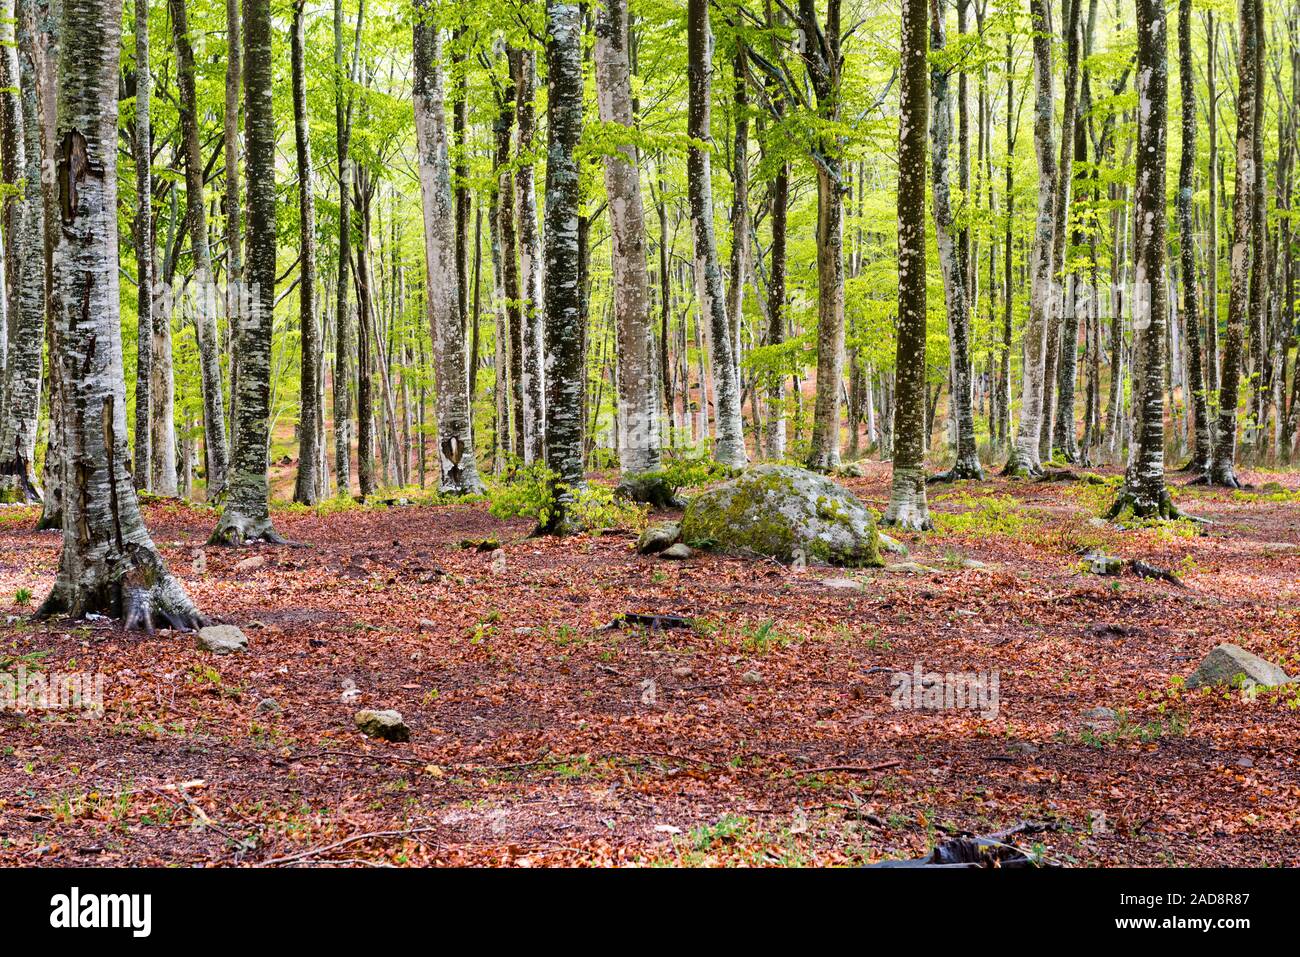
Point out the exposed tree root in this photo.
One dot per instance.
(137, 589)
(234, 530)
(1143, 506)
(963, 470)
(648, 489)
(17, 487)
(824, 461)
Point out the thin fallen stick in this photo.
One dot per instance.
(370, 835)
(852, 768)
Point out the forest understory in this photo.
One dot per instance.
(763, 734)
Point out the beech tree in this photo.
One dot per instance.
(563, 308)
(967, 465)
(22, 374)
(455, 443)
(638, 400)
(907, 502)
(108, 564)
(246, 515)
(729, 440)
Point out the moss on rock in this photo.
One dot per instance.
(776, 510)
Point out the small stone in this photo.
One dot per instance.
(911, 568)
(1245, 763)
(387, 725)
(222, 639)
(251, 564)
(1100, 714)
(1107, 565)
(752, 678)
(679, 552)
(657, 538)
(1227, 664)
(268, 706)
(842, 584)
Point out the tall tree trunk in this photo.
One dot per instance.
(739, 264)
(967, 465)
(344, 341)
(640, 445)
(1025, 458)
(1187, 241)
(1222, 469)
(22, 374)
(775, 437)
(823, 62)
(455, 443)
(234, 292)
(11, 169)
(530, 261)
(142, 455)
(363, 198)
(108, 564)
(729, 448)
(1144, 490)
(907, 503)
(308, 485)
(246, 516)
(509, 254)
(563, 306)
(205, 320)
(1064, 182)
(1212, 222)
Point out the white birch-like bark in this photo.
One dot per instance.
(1025, 458)
(203, 304)
(532, 315)
(108, 564)
(455, 443)
(640, 444)
(22, 392)
(908, 507)
(246, 515)
(729, 448)
(565, 381)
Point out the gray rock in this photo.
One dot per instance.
(1100, 714)
(656, 538)
(892, 545)
(780, 510)
(1104, 564)
(911, 568)
(387, 725)
(679, 552)
(1226, 663)
(268, 706)
(843, 584)
(752, 678)
(222, 639)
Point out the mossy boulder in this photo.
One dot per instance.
(781, 511)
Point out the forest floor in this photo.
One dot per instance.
(537, 739)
